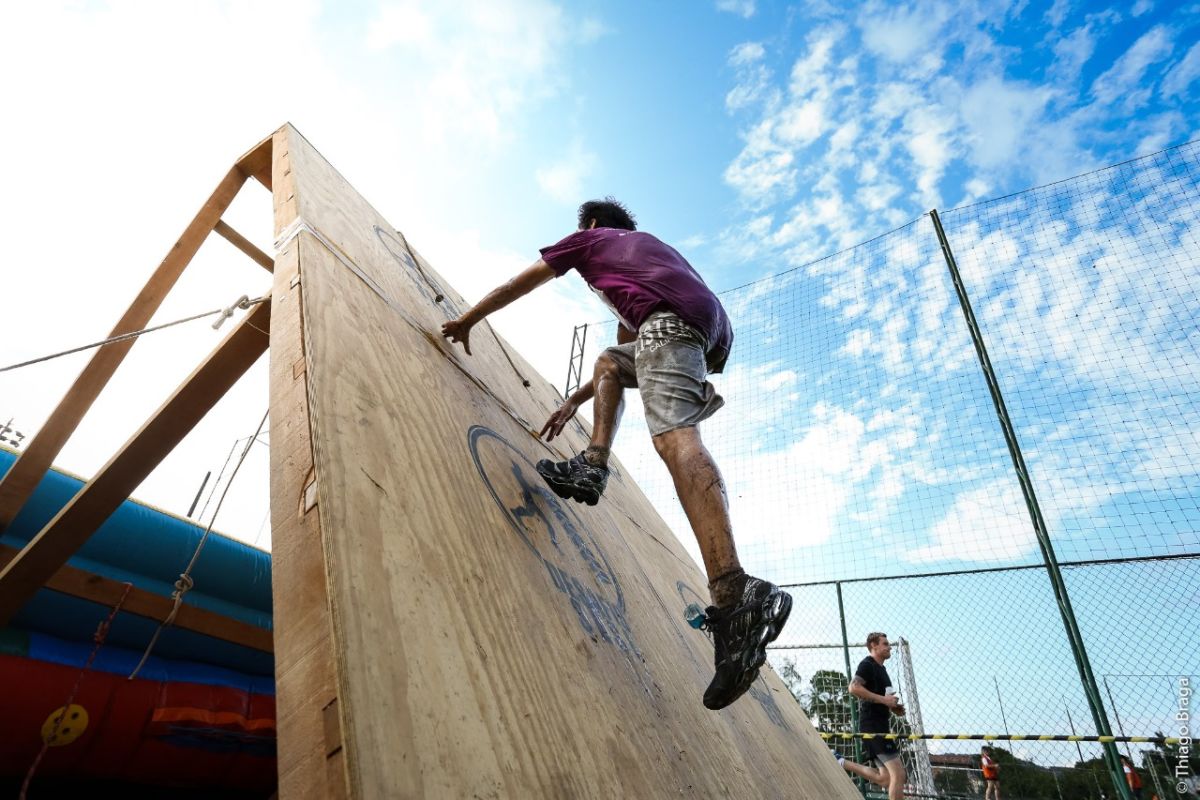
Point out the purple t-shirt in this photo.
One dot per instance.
(636, 274)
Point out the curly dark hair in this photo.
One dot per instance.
(608, 213)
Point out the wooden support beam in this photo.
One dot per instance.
(95, 502)
(22, 478)
(256, 163)
(106, 591)
(245, 245)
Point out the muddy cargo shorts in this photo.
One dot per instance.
(667, 365)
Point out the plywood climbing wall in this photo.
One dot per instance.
(486, 639)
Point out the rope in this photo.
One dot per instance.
(244, 302)
(524, 381)
(185, 582)
(221, 474)
(98, 638)
(1002, 737)
(438, 296)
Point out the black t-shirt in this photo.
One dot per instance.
(873, 717)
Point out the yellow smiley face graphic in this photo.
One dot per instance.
(64, 726)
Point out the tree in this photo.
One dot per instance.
(1163, 760)
(829, 702)
(1086, 780)
(952, 781)
(792, 679)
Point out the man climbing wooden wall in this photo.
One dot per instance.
(483, 637)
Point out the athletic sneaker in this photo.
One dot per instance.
(574, 479)
(740, 635)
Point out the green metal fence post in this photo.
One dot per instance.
(849, 680)
(1090, 689)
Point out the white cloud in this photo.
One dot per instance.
(800, 125)
(1182, 74)
(849, 142)
(746, 53)
(822, 460)
(743, 8)
(592, 29)
(477, 63)
(898, 37)
(903, 35)
(809, 73)
(1058, 12)
(986, 525)
(166, 119)
(564, 180)
(931, 143)
(753, 77)
(877, 139)
(1124, 81)
(400, 23)
(763, 169)
(877, 196)
(1071, 52)
(1001, 117)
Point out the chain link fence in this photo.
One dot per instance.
(868, 470)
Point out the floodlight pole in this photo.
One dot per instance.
(1086, 677)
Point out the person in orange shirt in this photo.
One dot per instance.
(991, 774)
(1132, 778)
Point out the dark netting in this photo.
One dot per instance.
(868, 469)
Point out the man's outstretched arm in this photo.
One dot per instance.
(459, 330)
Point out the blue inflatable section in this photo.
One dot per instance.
(119, 661)
(148, 548)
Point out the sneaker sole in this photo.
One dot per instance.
(747, 680)
(568, 490)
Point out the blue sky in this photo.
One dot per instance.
(757, 137)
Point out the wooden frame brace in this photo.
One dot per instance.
(107, 591)
(47, 552)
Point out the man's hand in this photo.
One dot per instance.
(898, 710)
(891, 701)
(559, 419)
(459, 330)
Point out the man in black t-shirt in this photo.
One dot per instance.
(878, 701)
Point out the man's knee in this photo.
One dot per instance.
(671, 443)
(607, 365)
(664, 444)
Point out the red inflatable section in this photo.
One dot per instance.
(141, 731)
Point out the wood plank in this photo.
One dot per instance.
(491, 640)
(256, 163)
(310, 675)
(106, 591)
(24, 475)
(305, 677)
(245, 245)
(95, 502)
